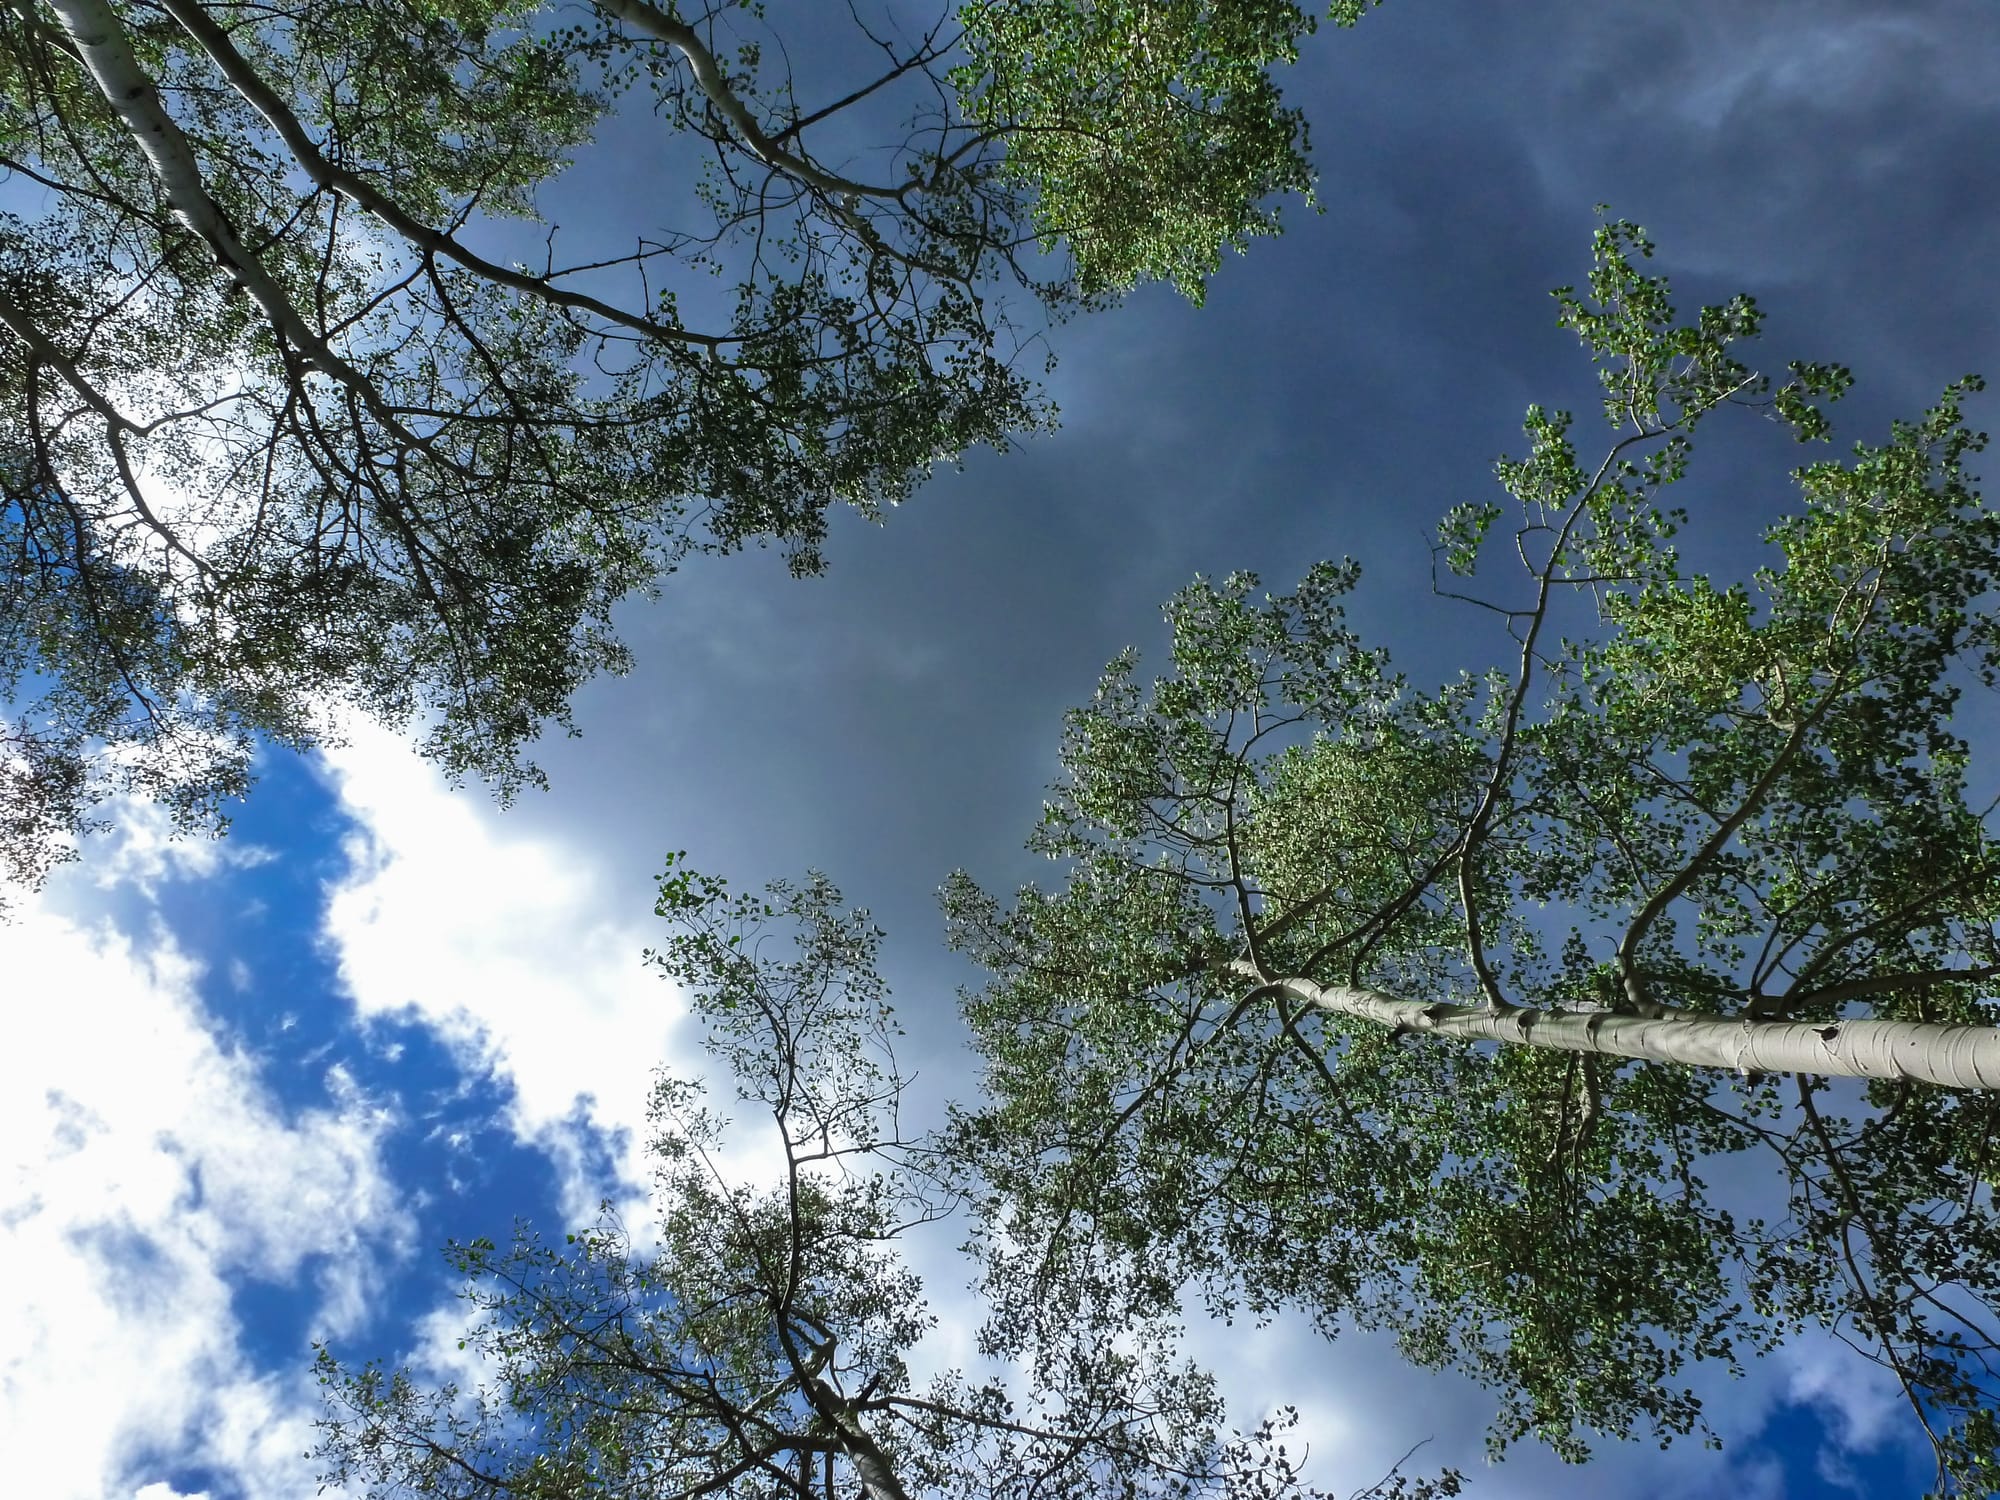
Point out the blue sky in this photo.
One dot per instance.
(255, 1084)
(265, 1080)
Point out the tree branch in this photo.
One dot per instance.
(194, 18)
(711, 80)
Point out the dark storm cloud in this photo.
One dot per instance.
(900, 717)
(1343, 386)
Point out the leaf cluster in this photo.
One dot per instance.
(757, 1339)
(1671, 796)
(281, 435)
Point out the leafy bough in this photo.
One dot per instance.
(1440, 1011)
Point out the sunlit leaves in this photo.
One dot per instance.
(756, 1338)
(1672, 795)
(261, 372)
(1149, 132)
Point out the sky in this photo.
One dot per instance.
(253, 1085)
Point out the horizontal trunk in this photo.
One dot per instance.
(1957, 1057)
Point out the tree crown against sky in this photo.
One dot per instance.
(1509, 1016)
(283, 429)
(760, 1344)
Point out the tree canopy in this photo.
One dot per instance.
(1629, 1005)
(283, 428)
(758, 1341)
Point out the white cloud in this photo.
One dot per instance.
(1861, 1400)
(146, 1171)
(1807, 61)
(1362, 1406)
(143, 849)
(523, 954)
(516, 951)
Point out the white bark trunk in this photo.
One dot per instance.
(878, 1476)
(100, 41)
(878, 1480)
(1957, 1057)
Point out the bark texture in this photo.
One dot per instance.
(1956, 1057)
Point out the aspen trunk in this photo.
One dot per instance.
(100, 41)
(1956, 1057)
(878, 1476)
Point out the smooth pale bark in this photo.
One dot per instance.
(1957, 1057)
(871, 1464)
(100, 42)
